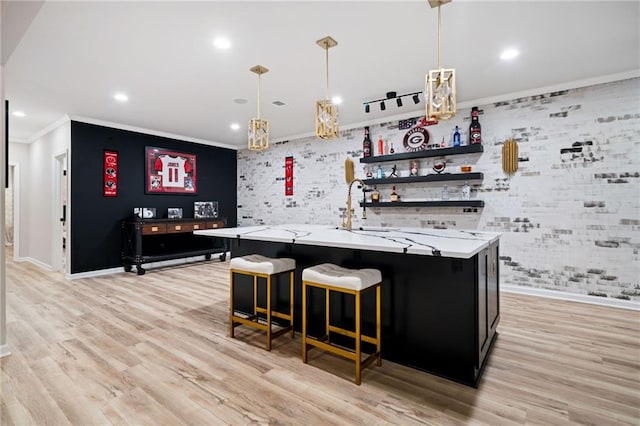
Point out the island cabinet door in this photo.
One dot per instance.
(493, 289)
(483, 320)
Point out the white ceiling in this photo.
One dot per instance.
(76, 55)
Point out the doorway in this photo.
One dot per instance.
(60, 229)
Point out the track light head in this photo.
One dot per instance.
(367, 108)
(382, 106)
(399, 102)
(416, 99)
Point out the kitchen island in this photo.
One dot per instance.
(440, 288)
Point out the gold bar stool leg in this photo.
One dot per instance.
(304, 322)
(327, 324)
(291, 285)
(378, 325)
(358, 340)
(269, 313)
(255, 297)
(231, 324)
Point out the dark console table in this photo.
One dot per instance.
(155, 240)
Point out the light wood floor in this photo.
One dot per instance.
(153, 349)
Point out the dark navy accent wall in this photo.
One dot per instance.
(95, 219)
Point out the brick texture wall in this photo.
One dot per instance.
(570, 216)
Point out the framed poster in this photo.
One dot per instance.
(110, 168)
(288, 176)
(205, 209)
(169, 172)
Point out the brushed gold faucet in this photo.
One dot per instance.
(347, 223)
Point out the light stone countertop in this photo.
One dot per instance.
(454, 243)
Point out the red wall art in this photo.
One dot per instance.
(110, 168)
(170, 172)
(288, 176)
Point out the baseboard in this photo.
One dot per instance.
(572, 297)
(35, 262)
(4, 350)
(147, 266)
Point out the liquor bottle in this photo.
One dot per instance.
(466, 191)
(391, 150)
(379, 173)
(366, 144)
(375, 195)
(445, 193)
(474, 128)
(394, 195)
(456, 137)
(380, 146)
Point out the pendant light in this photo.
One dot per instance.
(326, 111)
(440, 84)
(258, 133)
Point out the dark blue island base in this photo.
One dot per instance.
(439, 314)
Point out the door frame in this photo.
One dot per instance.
(60, 163)
(16, 208)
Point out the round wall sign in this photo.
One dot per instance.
(416, 139)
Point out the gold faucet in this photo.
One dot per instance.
(347, 223)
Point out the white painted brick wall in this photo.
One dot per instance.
(570, 224)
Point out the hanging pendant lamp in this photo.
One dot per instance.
(258, 132)
(440, 84)
(326, 111)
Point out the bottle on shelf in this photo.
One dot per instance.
(456, 137)
(445, 193)
(379, 172)
(375, 195)
(380, 146)
(394, 198)
(475, 135)
(466, 191)
(391, 150)
(366, 143)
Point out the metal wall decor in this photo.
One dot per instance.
(510, 157)
(440, 84)
(258, 131)
(326, 112)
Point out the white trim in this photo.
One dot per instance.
(16, 209)
(35, 262)
(482, 101)
(59, 164)
(146, 266)
(51, 127)
(572, 297)
(150, 132)
(4, 350)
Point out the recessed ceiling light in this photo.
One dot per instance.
(336, 100)
(120, 97)
(509, 54)
(235, 126)
(222, 43)
(240, 101)
(19, 114)
(278, 103)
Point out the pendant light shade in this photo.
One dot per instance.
(440, 84)
(258, 130)
(326, 112)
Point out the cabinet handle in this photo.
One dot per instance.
(178, 227)
(215, 225)
(154, 229)
(196, 226)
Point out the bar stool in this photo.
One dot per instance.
(331, 277)
(259, 266)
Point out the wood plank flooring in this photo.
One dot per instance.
(153, 349)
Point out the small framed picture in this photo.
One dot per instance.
(145, 212)
(205, 209)
(174, 213)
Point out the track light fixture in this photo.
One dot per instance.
(392, 95)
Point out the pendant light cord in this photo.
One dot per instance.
(258, 96)
(326, 49)
(439, 25)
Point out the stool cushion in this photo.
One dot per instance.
(337, 276)
(259, 264)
